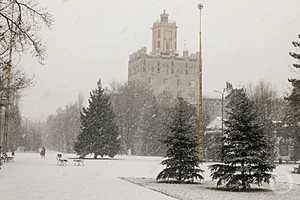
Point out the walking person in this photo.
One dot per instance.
(0, 156)
(43, 152)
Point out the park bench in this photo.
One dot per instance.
(5, 158)
(1, 162)
(78, 162)
(296, 170)
(9, 158)
(61, 161)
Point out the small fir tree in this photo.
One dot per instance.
(182, 161)
(245, 151)
(99, 133)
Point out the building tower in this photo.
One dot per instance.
(164, 36)
(163, 69)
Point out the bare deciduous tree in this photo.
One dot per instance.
(20, 21)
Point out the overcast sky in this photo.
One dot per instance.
(243, 41)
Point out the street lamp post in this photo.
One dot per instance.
(222, 108)
(200, 101)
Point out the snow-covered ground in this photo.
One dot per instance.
(207, 191)
(32, 178)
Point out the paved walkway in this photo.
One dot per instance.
(32, 178)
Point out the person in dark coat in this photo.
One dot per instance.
(43, 152)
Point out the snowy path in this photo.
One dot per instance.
(31, 178)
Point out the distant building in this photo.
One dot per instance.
(164, 69)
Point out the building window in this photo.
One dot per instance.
(172, 70)
(158, 44)
(192, 95)
(168, 46)
(178, 82)
(144, 69)
(158, 35)
(191, 83)
(158, 69)
(149, 80)
(283, 148)
(186, 68)
(179, 93)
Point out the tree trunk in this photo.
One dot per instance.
(244, 186)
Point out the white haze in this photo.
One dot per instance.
(245, 40)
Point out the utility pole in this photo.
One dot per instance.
(1, 111)
(223, 113)
(1, 106)
(200, 98)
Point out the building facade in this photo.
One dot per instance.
(163, 69)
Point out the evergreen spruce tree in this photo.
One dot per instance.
(245, 152)
(182, 161)
(293, 112)
(99, 133)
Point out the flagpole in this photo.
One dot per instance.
(200, 98)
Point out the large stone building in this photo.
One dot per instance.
(165, 71)
(163, 68)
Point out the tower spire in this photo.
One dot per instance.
(164, 16)
(164, 36)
